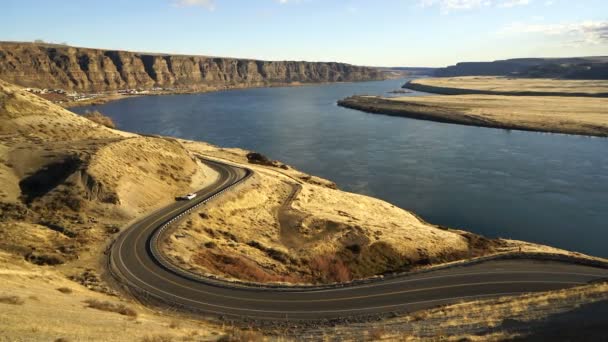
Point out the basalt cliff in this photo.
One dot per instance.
(92, 70)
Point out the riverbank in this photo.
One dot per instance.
(110, 97)
(555, 114)
(508, 86)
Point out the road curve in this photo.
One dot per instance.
(136, 263)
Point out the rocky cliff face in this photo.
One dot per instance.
(82, 69)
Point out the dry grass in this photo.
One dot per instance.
(30, 116)
(241, 335)
(500, 85)
(52, 315)
(330, 269)
(65, 290)
(100, 178)
(239, 267)
(157, 338)
(99, 118)
(146, 172)
(12, 300)
(111, 307)
(492, 312)
(572, 115)
(375, 333)
(477, 320)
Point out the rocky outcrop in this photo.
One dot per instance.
(87, 70)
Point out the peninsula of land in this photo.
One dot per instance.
(542, 105)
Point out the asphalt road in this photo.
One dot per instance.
(136, 262)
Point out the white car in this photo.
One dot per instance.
(186, 197)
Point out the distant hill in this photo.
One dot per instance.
(570, 68)
(414, 71)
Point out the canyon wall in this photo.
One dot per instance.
(90, 70)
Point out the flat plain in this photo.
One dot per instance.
(494, 85)
(557, 114)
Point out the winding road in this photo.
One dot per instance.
(136, 262)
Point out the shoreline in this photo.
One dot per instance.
(447, 113)
(106, 98)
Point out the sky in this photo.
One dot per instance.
(429, 33)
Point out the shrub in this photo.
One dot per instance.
(239, 335)
(157, 338)
(239, 267)
(330, 269)
(355, 248)
(376, 333)
(111, 307)
(98, 117)
(44, 259)
(13, 300)
(65, 290)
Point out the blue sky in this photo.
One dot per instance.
(364, 32)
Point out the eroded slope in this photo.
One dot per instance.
(68, 183)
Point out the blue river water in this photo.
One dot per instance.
(544, 188)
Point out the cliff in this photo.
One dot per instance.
(84, 69)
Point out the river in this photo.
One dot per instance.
(545, 188)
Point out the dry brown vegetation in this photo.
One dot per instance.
(64, 290)
(241, 335)
(13, 300)
(516, 86)
(47, 315)
(572, 115)
(111, 307)
(97, 117)
(69, 184)
(494, 319)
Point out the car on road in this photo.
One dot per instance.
(186, 197)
